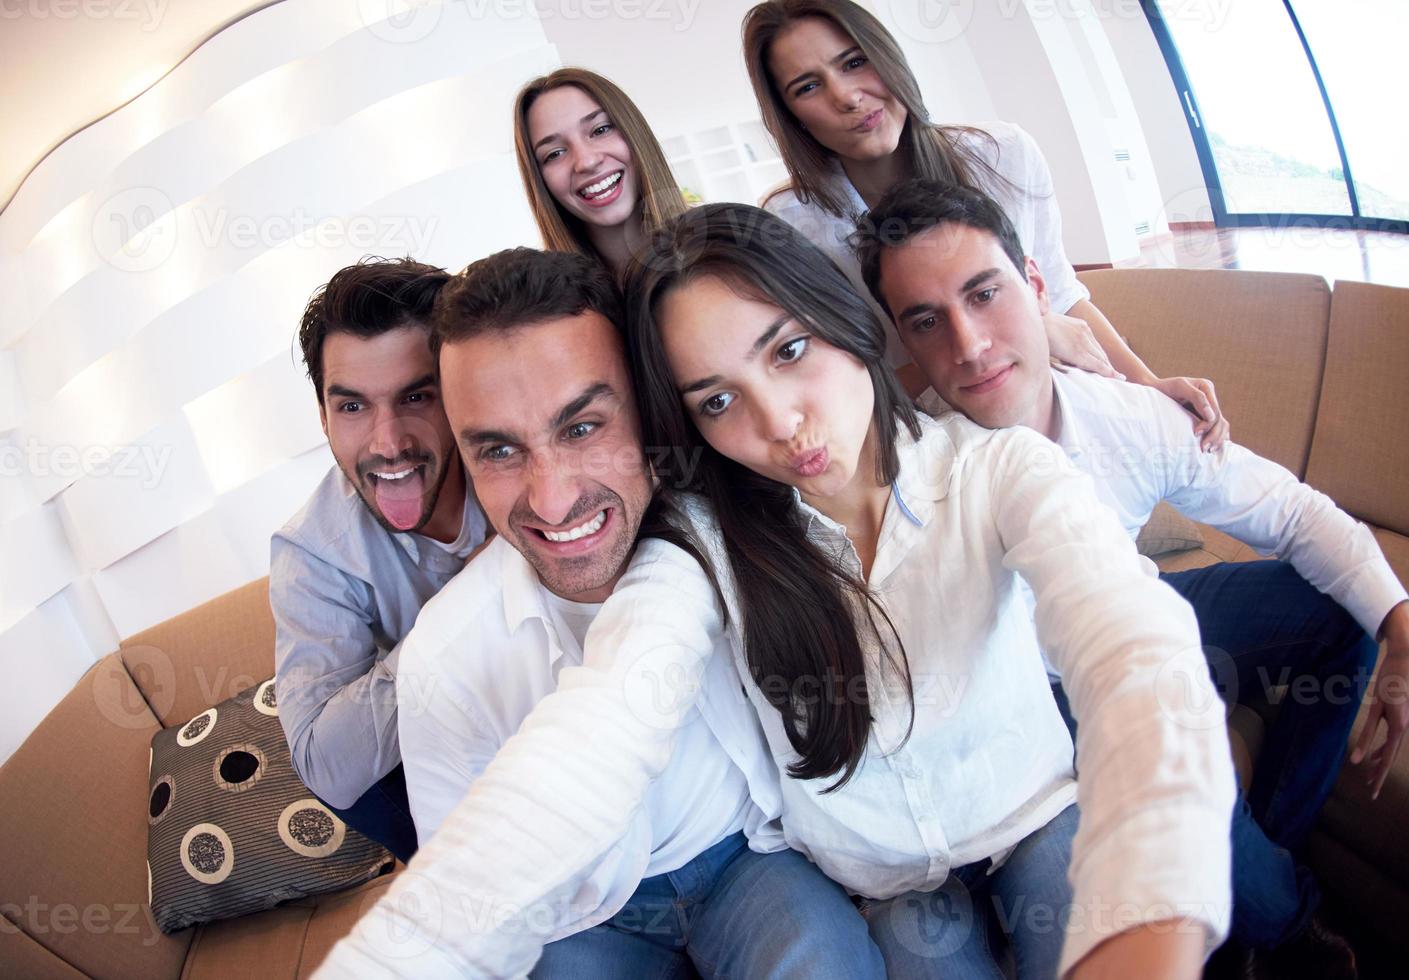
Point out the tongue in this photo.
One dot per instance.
(400, 500)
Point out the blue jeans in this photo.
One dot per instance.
(383, 814)
(1264, 626)
(952, 931)
(728, 913)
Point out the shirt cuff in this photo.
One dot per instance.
(1170, 863)
(1370, 593)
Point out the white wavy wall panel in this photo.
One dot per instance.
(156, 425)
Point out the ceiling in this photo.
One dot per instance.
(64, 66)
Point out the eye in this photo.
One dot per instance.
(580, 430)
(856, 62)
(550, 156)
(985, 295)
(793, 350)
(603, 128)
(419, 398)
(923, 325)
(803, 89)
(714, 405)
(350, 408)
(497, 454)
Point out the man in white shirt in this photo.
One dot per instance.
(539, 399)
(968, 304)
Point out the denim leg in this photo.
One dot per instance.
(1031, 896)
(778, 916)
(645, 939)
(1273, 895)
(1264, 626)
(383, 814)
(938, 934)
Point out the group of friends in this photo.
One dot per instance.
(717, 591)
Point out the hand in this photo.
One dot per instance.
(1072, 342)
(1389, 702)
(1166, 949)
(1197, 397)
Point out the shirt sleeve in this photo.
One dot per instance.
(1035, 178)
(1156, 790)
(558, 797)
(1268, 508)
(337, 699)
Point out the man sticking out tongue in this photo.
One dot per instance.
(388, 526)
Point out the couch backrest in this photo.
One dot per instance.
(1260, 337)
(203, 656)
(1360, 455)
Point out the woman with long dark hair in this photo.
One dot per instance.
(839, 98)
(595, 174)
(871, 560)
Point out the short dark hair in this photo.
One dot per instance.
(370, 298)
(915, 206)
(522, 286)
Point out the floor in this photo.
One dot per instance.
(1336, 253)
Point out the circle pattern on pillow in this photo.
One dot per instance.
(231, 828)
(311, 829)
(195, 730)
(207, 854)
(266, 701)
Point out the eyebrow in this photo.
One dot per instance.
(480, 437)
(841, 57)
(425, 381)
(969, 283)
(764, 339)
(585, 119)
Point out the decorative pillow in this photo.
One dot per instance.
(232, 829)
(1166, 532)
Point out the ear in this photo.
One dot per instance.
(1039, 287)
(323, 417)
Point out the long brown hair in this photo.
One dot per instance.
(660, 196)
(803, 614)
(934, 152)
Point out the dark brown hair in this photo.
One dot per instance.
(803, 615)
(913, 207)
(522, 286)
(660, 196)
(367, 299)
(931, 150)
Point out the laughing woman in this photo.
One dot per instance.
(595, 174)
(871, 559)
(836, 93)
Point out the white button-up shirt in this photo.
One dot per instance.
(1140, 449)
(972, 515)
(487, 650)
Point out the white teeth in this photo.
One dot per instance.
(592, 190)
(581, 531)
(395, 476)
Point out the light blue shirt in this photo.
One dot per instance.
(345, 591)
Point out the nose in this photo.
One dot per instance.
(552, 491)
(846, 96)
(968, 339)
(586, 158)
(391, 437)
(777, 417)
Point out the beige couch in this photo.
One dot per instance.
(1309, 379)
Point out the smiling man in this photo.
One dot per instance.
(388, 526)
(946, 264)
(540, 399)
